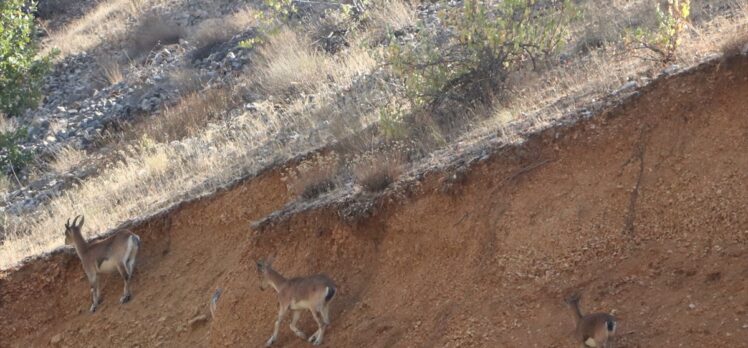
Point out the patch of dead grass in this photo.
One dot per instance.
(313, 177)
(188, 116)
(392, 15)
(153, 30)
(105, 23)
(212, 32)
(66, 159)
(375, 172)
(110, 71)
(290, 64)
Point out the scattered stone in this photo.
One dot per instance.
(56, 339)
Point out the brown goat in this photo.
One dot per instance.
(313, 293)
(114, 253)
(594, 329)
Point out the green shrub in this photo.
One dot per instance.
(21, 72)
(663, 42)
(483, 42)
(12, 157)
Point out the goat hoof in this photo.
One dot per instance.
(93, 308)
(124, 299)
(314, 341)
(269, 342)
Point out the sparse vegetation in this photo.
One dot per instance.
(154, 30)
(110, 71)
(188, 117)
(664, 41)
(21, 71)
(13, 158)
(313, 177)
(212, 32)
(736, 44)
(376, 172)
(66, 159)
(298, 93)
(487, 40)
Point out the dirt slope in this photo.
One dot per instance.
(645, 209)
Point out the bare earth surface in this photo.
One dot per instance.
(644, 209)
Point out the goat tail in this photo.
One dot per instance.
(330, 293)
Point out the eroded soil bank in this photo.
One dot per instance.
(644, 209)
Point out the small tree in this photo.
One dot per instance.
(664, 41)
(13, 158)
(21, 72)
(483, 41)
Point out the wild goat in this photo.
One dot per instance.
(313, 293)
(594, 329)
(116, 252)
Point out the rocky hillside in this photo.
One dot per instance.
(641, 208)
(151, 102)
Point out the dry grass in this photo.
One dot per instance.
(106, 23)
(110, 71)
(212, 32)
(155, 175)
(313, 177)
(6, 185)
(192, 113)
(136, 7)
(376, 172)
(391, 15)
(737, 44)
(187, 80)
(289, 63)
(7, 124)
(152, 175)
(66, 159)
(153, 31)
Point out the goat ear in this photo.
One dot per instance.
(67, 224)
(81, 223)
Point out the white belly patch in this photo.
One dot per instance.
(299, 305)
(108, 266)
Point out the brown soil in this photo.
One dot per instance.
(642, 208)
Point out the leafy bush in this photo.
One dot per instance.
(665, 39)
(483, 42)
(13, 158)
(21, 72)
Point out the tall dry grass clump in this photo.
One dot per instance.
(153, 30)
(107, 22)
(187, 118)
(290, 63)
(313, 177)
(375, 172)
(212, 32)
(110, 72)
(391, 15)
(66, 159)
